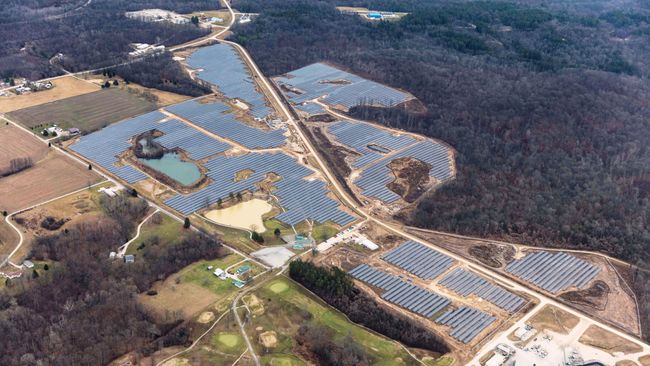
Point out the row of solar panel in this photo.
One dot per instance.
(374, 178)
(310, 108)
(466, 283)
(359, 136)
(214, 117)
(553, 272)
(340, 87)
(402, 293)
(303, 199)
(222, 66)
(104, 146)
(465, 322)
(419, 260)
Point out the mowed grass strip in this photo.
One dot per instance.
(88, 112)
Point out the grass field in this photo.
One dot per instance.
(168, 231)
(53, 176)
(552, 318)
(609, 342)
(16, 143)
(65, 87)
(88, 112)
(287, 306)
(193, 289)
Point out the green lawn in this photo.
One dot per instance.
(287, 306)
(168, 232)
(199, 274)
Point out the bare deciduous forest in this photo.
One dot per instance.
(545, 103)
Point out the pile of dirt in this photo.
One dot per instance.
(595, 296)
(268, 339)
(493, 255)
(321, 118)
(411, 178)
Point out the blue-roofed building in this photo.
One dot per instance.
(375, 15)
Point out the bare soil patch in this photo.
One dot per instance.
(411, 178)
(626, 363)
(205, 317)
(493, 255)
(554, 319)
(645, 360)
(611, 343)
(268, 339)
(65, 87)
(16, 143)
(183, 300)
(53, 176)
(595, 296)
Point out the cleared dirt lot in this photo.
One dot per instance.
(65, 87)
(16, 143)
(51, 177)
(88, 112)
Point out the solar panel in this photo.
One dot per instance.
(215, 117)
(221, 65)
(553, 271)
(337, 87)
(419, 260)
(369, 141)
(397, 291)
(104, 146)
(466, 283)
(373, 179)
(465, 323)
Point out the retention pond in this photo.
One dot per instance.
(244, 215)
(184, 172)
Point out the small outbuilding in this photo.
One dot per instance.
(129, 258)
(28, 264)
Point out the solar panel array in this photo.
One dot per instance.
(373, 179)
(223, 67)
(313, 81)
(419, 260)
(359, 135)
(400, 292)
(553, 271)
(310, 108)
(213, 118)
(303, 199)
(105, 145)
(466, 283)
(465, 322)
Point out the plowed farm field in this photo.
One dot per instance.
(15, 143)
(88, 112)
(53, 176)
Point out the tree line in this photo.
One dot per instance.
(337, 289)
